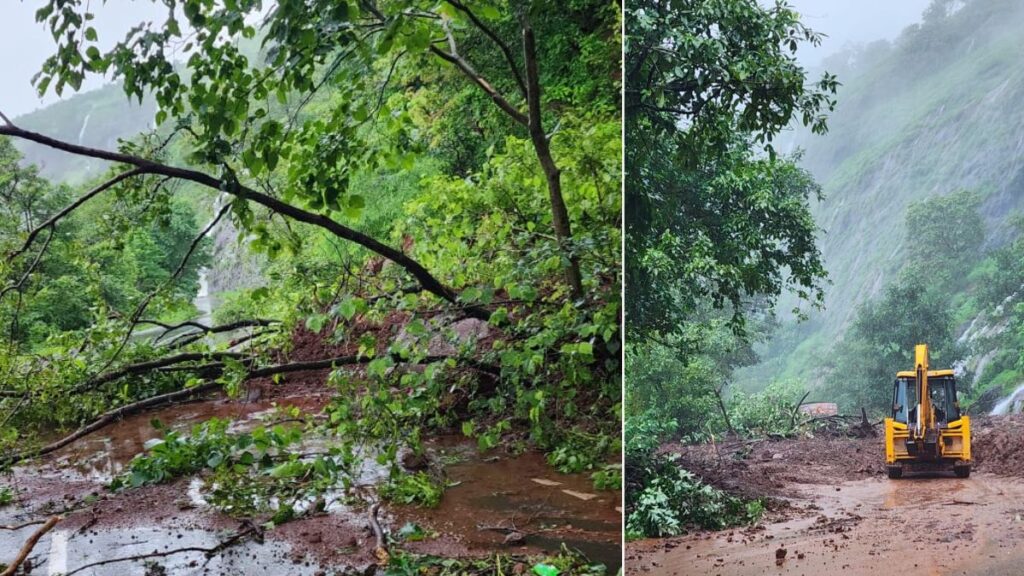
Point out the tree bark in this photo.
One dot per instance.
(422, 275)
(725, 411)
(553, 176)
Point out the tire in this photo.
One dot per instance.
(895, 472)
(962, 471)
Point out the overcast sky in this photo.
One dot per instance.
(24, 44)
(855, 22)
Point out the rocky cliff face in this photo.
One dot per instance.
(916, 120)
(98, 119)
(934, 112)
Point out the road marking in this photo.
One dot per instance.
(58, 561)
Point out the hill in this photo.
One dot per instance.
(932, 113)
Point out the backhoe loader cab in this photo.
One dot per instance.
(926, 430)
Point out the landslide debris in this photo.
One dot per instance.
(773, 468)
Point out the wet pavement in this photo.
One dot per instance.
(491, 496)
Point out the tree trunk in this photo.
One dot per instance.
(725, 411)
(559, 213)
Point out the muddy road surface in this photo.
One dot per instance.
(831, 510)
(490, 496)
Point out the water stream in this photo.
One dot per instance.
(1012, 404)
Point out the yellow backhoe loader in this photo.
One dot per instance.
(926, 432)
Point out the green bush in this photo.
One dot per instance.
(769, 412)
(419, 488)
(673, 499)
(663, 499)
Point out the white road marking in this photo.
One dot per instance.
(58, 561)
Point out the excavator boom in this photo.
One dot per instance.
(924, 405)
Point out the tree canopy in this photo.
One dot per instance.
(708, 215)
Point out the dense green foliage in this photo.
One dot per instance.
(663, 499)
(952, 294)
(945, 235)
(710, 219)
(95, 265)
(718, 227)
(389, 199)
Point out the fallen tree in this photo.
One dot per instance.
(194, 393)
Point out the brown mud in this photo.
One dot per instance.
(490, 492)
(832, 509)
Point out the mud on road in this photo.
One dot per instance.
(831, 508)
(490, 494)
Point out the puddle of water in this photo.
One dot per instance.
(102, 456)
(503, 493)
(487, 492)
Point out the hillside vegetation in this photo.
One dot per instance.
(932, 115)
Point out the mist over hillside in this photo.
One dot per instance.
(932, 113)
(97, 119)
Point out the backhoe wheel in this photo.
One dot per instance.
(962, 471)
(895, 472)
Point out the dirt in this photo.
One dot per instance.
(498, 496)
(489, 491)
(832, 508)
(767, 468)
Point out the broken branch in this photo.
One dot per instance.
(111, 417)
(237, 189)
(29, 545)
(209, 552)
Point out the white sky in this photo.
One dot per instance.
(854, 22)
(24, 44)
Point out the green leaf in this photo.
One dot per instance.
(541, 569)
(488, 12)
(315, 322)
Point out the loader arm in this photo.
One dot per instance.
(925, 417)
(925, 439)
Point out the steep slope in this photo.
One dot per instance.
(97, 118)
(934, 112)
(914, 123)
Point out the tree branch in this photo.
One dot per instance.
(52, 221)
(140, 309)
(208, 552)
(16, 527)
(204, 329)
(110, 417)
(29, 545)
(142, 367)
(191, 393)
(422, 275)
(479, 80)
(494, 38)
(31, 268)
